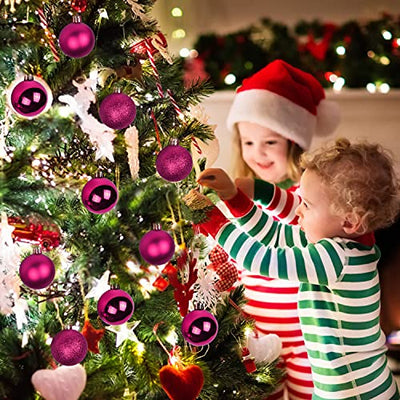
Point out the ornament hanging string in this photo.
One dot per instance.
(156, 129)
(154, 68)
(48, 34)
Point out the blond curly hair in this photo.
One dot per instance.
(361, 179)
(241, 170)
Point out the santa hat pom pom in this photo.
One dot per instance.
(328, 117)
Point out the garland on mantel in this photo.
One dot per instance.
(354, 54)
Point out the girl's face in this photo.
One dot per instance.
(264, 151)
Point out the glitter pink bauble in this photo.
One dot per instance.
(99, 195)
(157, 247)
(117, 111)
(115, 307)
(76, 40)
(199, 327)
(69, 347)
(37, 271)
(30, 97)
(174, 163)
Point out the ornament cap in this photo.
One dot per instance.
(156, 226)
(76, 19)
(28, 77)
(174, 142)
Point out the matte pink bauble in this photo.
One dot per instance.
(37, 271)
(115, 307)
(99, 195)
(117, 111)
(76, 39)
(199, 327)
(69, 347)
(157, 247)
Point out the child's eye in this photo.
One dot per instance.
(248, 143)
(271, 142)
(305, 205)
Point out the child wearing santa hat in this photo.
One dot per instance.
(274, 116)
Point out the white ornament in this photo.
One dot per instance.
(264, 349)
(124, 331)
(19, 309)
(99, 134)
(132, 147)
(63, 383)
(138, 10)
(205, 295)
(101, 286)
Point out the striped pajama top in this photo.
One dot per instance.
(339, 298)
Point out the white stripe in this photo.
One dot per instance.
(357, 285)
(346, 301)
(345, 333)
(364, 348)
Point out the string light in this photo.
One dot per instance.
(230, 79)
(341, 50)
(386, 35)
(177, 12)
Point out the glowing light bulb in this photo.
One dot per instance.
(230, 79)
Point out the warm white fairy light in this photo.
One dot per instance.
(339, 83)
(179, 33)
(384, 60)
(177, 12)
(384, 88)
(386, 35)
(341, 50)
(230, 79)
(371, 87)
(184, 52)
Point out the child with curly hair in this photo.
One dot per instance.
(347, 191)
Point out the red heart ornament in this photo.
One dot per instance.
(182, 384)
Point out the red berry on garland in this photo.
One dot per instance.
(76, 39)
(174, 162)
(29, 97)
(115, 307)
(69, 347)
(37, 271)
(99, 195)
(199, 327)
(117, 111)
(157, 246)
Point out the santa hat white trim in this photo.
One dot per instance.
(281, 115)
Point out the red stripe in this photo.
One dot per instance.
(276, 396)
(288, 206)
(283, 334)
(275, 200)
(299, 368)
(300, 382)
(306, 396)
(296, 343)
(279, 290)
(272, 306)
(277, 320)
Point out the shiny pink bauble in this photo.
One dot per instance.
(199, 327)
(37, 271)
(117, 111)
(157, 247)
(174, 163)
(69, 347)
(76, 40)
(99, 195)
(30, 97)
(115, 307)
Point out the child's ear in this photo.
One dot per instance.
(353, 223)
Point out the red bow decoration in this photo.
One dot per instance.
(225, 269)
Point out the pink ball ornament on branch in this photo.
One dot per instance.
(37, 271)
(77, 39)
(115, 307)
(69, 347)
(99, 195)
(29, 97)
(174, 163)
(199, 327)
(117, 111)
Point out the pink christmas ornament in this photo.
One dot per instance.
(69, 347)
(174, 162)
(63, 383)
(157, 247)
(266, 348)
(199, 327)
(117, 111)
(115, 307)
(76, 39)
(29, 97)
(99, 195)
(37, 271)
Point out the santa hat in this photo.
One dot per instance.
(286, 100)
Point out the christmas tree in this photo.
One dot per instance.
(102, 276)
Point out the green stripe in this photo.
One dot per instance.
(368, 308)
(334, 256)
(359, 277)
(248, 216)
(362, 341)
(330, 356)
(225, 233)
(258, 226)
(360, 260)
(317, 304)
(300, 265)
(289, 235)
(264, 270)
(238, 244)
(359, 294)
(318, 266)
(360, 325)
(282, 264)
(248, 259)
(320, 322)
(270, 234)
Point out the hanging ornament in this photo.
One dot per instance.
(132, 148)
(174, 162)
(92, 336)
(63, 383)
(248, 361)
(124, 332)
(100, 286)
(76, 39)
(69, 347)
(117, 111)
(79, 5)
(37, 271)
(115, 307)
(266, 348)
(99, 195)
(30, 96)
(157, 246)
(182, 382)
(228, 275)
(199, 328)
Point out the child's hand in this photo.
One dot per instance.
(246, 185)
(218, 179)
